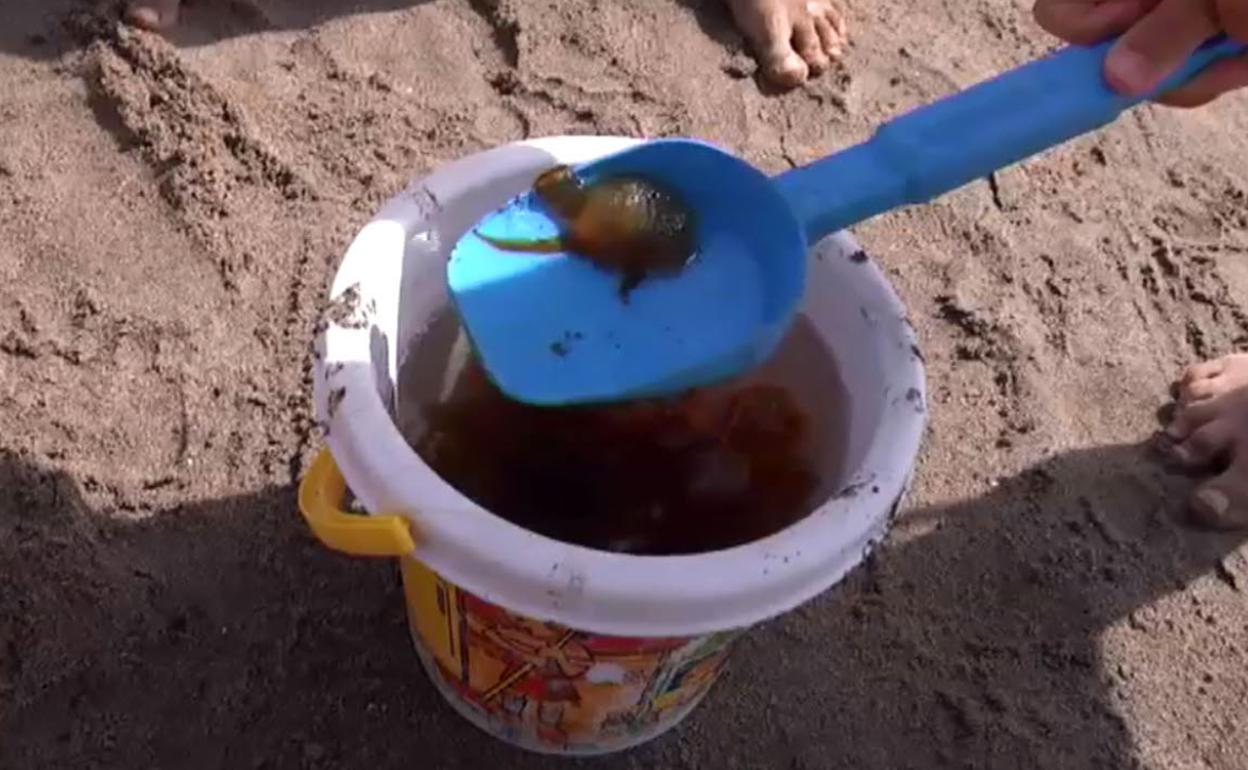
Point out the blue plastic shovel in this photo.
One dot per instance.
(551, 329)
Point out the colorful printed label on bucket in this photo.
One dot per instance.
(552, 688)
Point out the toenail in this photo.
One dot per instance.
(1174, 431)
(1181, 453)
(1215, 500)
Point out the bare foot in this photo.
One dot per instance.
(1209, 432)
(153, 14)
(792, 39)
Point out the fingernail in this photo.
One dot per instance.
(1129, 71)
(1214, 500)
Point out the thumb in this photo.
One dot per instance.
(1157, 44)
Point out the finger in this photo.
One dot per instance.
(1234, 17)
(1157, 44)
(1190, 418)
(1207, 445)
(1202, 371)
(828, 37)
(1218, 79)
(1084, 22)
(1199, 390)
(1222, 502)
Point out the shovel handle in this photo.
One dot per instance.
(970, 134)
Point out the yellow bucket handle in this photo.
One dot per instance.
(320, 500)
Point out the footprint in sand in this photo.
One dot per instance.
(793, 40)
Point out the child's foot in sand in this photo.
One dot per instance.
(1209, 431)
(792, 39)
(153, 14)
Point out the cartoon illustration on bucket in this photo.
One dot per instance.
(550, 686)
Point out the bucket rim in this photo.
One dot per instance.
(550, 580)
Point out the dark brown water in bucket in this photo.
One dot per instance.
(708, 470)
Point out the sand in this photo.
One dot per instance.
(170, 216)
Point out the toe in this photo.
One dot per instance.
(1222, 503)
(829, 23)
(143, 16)
(829, 39)
(152, 14)
(808, 45)
(839, 22)
(785, 68)
(769, 28)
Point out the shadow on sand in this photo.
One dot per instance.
(220, 634)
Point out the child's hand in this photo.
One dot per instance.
(1157, 36)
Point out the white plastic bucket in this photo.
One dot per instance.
(551, 646)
